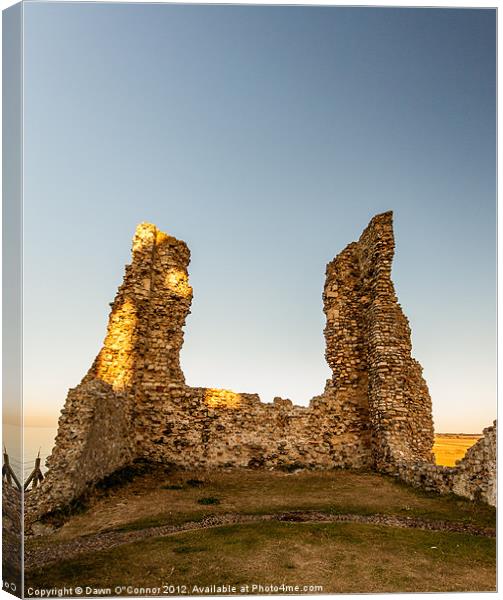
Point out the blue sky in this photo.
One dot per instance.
(266, 138)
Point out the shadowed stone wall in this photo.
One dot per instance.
(133, 403)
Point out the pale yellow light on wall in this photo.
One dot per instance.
(115, 362)
(215, 398)
(177, 282)
(145, 237)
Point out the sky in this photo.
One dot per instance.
(266, 138)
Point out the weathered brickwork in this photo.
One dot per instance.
(375, 410)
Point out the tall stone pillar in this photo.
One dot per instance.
(170, 296)
(369, 347)
(98, 428)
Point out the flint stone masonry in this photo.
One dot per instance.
(375, 410)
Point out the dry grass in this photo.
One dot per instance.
(342, 558)
(450, 447)
(149, 501)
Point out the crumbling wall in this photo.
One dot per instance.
(375, 410)
(98, 424)
(400, 405)
(175, 423)
(94, 439)
(210, 427)
(369, 347)
(473, 477)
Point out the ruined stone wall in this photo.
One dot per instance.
(210, 427)
(400, 405)
(98, 424)
(175, 423)
(133, 403)
(369, 347)
(473, 477)
(94, 439)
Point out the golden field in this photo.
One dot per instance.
(450, 447)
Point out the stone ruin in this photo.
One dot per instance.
(375, 410)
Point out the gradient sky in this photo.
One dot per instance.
(266, 138)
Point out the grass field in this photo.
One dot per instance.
(339, 557)
(336, 557)
(450, 447)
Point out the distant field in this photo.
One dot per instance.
(450, 447)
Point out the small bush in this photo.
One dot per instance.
(291, 467)
(209, 500)
(195, 482)
(187, 549)
(168, 486)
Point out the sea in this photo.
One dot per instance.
(36, 440)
